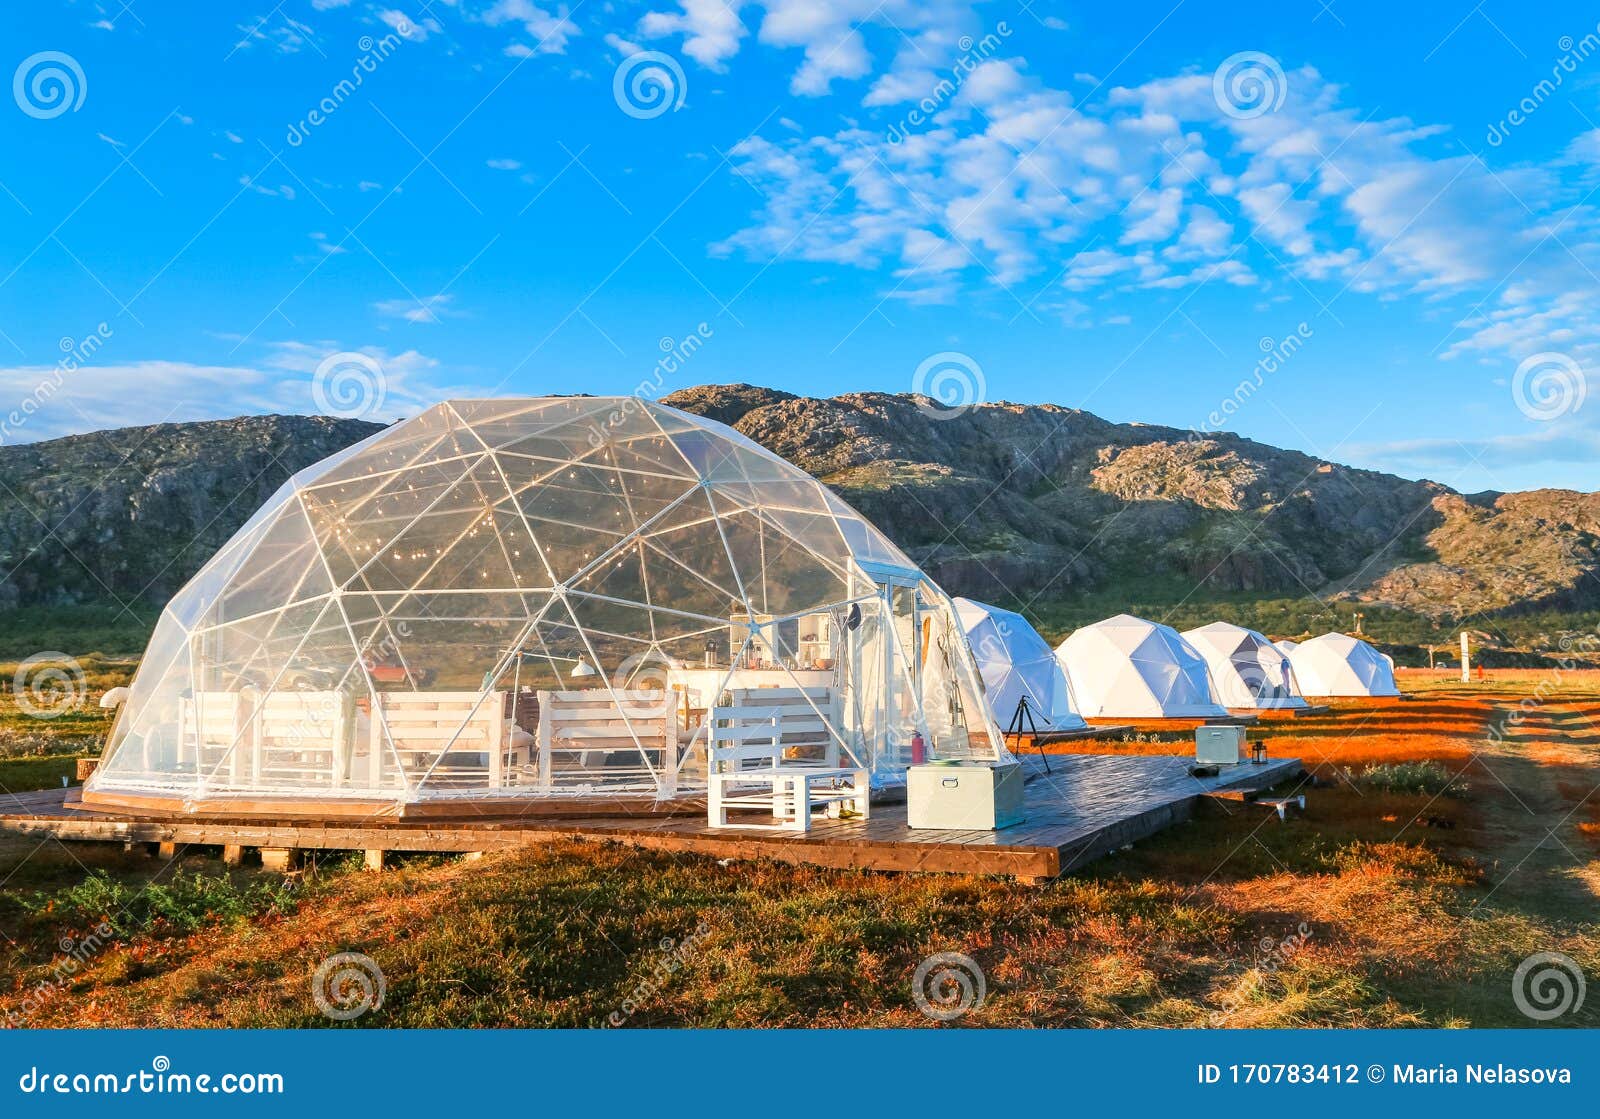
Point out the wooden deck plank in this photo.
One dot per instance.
(1084, 807)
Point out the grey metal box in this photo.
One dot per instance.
(1219, 745)
(975, 796)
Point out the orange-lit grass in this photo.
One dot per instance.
(1394, 905)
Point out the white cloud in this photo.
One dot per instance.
(711, 29)
(104, 395)
(550, 30)
(1157, 187)
(1567, 442)
(325, 246)
(279, 31)
(415, 30)
(504, 164)
(828, 35)
(427, 309)
(622, 46)
(285, 191)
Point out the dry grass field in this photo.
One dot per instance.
(1446, 838)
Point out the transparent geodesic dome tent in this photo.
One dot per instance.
(541, 597)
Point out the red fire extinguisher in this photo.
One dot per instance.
(919, 748)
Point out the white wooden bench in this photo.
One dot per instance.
(455, 739)
(301, 739)
(776, 749)
(584, 734)
(214, 732)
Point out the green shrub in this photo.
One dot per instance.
(1428, 778)
(182, 904)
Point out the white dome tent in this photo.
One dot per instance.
(411, 619)
(1247, 670)
(1337, 664)
(1128, 668)
(1016, 663)
(1285, 646)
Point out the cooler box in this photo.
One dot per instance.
(970, 796)
(1219, 745)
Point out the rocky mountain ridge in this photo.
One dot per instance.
(1013, 502)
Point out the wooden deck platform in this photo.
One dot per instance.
(1047, 737)
(1311, 710)
(1084, 807)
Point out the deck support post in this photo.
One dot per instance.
(232, 854)
(374, 858)
(280, 859)
(167, 850)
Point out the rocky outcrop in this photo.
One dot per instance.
(126, 516)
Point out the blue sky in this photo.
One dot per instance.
(1120, 208)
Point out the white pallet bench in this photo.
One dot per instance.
(756, 762)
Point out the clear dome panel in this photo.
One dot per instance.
(143, 746)
(436, 437)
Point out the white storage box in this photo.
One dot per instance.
(974, 796)
(1219, 745)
